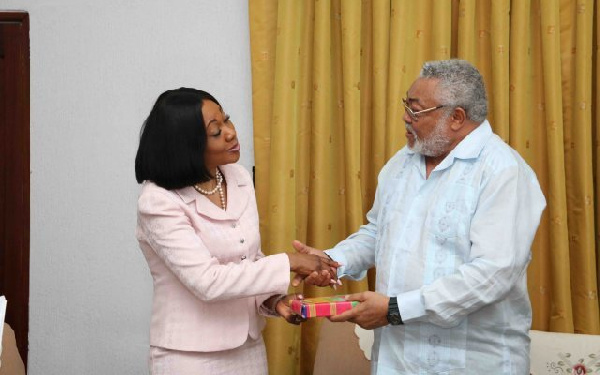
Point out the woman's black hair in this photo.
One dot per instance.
(173, 140)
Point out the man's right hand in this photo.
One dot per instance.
(322, 278)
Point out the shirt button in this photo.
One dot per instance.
(441, 240)
(440, 255)
(242, 240)
(233, 225)
(243, 257)
(439, 272)
(432, 358)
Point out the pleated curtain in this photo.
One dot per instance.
(327, 81)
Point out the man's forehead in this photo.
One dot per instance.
(421, 90)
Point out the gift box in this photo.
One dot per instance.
(321, 306)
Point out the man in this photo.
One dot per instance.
(450, 232)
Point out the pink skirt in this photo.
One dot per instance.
(248, 359)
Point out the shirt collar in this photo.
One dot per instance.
(469, 148)
(473, 143)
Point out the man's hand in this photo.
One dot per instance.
(319, 278)
(370, 313)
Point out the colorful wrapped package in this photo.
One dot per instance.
(322, 306)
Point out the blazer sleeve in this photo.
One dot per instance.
(166, 228)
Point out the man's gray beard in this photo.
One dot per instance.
(435, 144)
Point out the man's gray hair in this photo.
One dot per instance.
(460, 85)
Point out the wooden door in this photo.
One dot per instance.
(14, 172)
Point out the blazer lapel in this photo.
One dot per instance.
(238, 191)
(237, 197)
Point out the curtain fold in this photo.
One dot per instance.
(579, 171)
(328, 77)
(552, 102)
(349, 104)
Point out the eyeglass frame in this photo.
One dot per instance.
(415, 115)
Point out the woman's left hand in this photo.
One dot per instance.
(284, 309)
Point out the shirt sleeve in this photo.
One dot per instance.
(168, 231)
(357, 252)
(502, 230)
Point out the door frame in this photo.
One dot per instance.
(15, 173)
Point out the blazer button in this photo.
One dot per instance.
(242, 240)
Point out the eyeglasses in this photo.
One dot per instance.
(415, 115)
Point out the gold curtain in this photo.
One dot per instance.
(327, 78)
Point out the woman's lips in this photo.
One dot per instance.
(234, 148)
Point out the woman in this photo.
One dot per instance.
(198, 229)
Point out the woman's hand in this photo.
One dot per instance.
(282, 307)
(319, 278)
(306, 264)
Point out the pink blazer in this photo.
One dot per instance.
(209, 274)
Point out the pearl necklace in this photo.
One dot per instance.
(218, 188)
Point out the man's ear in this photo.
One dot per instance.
(458, 118)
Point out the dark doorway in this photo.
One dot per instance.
(14, 172)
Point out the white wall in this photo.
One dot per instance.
(96, 69)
